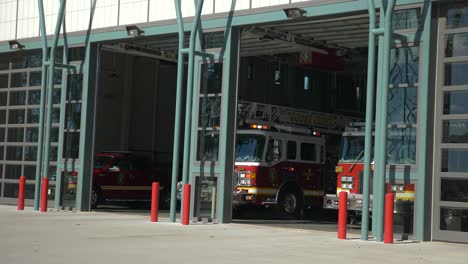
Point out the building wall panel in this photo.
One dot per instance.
(265, 3)
(133, 11)
(8, 10)
(161, 10)
(28, 19)
(106, 14)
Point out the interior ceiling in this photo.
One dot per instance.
(343, 34)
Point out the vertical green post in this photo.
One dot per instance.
(50, 91)
(180, 79)
(40, 142)
(188, 105)
(369, 121)
(381, 159)
(377, 131)
(422, 119)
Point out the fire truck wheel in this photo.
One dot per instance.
(96, 197)
(289, 204)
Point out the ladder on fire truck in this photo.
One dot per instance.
(293, 119)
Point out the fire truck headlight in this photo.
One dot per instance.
(349, 179)
(343, 178)
(343, 186)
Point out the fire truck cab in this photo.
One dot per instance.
(350, 173)
(273, 167)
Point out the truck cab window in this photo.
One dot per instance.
(308, 152)
(273, 150)
(291, 150)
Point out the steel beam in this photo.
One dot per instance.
(178, 111)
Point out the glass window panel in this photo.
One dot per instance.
(2, 134)
(4, 63)
(32, 134)
(454, 190)
(2, 116)
(34, 97)
(213, 40)
(456, 45)
(58, 77)
(56, 115)
(14, 153)
(53, 154)
(405, 19)
(401, 146)
(402, 105)
(11, 190)
(33, 115)
(19, 62)
(454, 219)
(212, 80)
(35, 59)
(455, 102)
(15, 134)
(455, 131)
(30, 153)
(404, 65)
(35, 78)
(56, 96)
(455, 73)
(12, 171)
(208, 145)
(19, 79)
(76, 54)
(71, 145)
(16, 116)
(73, 115)
(457, 16)
(54, 134)
(291, 151)
(3, 98)
(210, 110)
(30, 172)
(454, 160)
(308, 152)
(18, 98)
(2, 155)
(74, 87)
(4, 80)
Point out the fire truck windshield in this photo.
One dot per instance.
(249, 147)
(352, 149)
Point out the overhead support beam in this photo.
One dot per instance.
(323, 21)
(278, 36)
(129, 49)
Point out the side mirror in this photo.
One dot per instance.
(114, 169)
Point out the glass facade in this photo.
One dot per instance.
(403, 105)
(20, 81)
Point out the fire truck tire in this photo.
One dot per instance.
(96, 197)
(289, 204)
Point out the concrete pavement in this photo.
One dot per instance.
(97, 237)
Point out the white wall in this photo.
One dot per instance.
(20, 18)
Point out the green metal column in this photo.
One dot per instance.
(189, 102)
(369, 121)
(40, 142)
(421, 189)
(178, 110)
(48, 128)
(381, 157)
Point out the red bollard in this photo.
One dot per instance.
(342, 215)
(154, 202)
(389, 208)
(186, 205)
(22, 185)
(44, 194)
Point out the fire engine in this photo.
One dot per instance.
(280, 156)
(350, 173)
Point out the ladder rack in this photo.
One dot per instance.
(280, 116)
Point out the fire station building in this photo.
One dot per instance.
(167, 78)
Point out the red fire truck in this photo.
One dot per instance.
(350, 173)
(280, 156)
